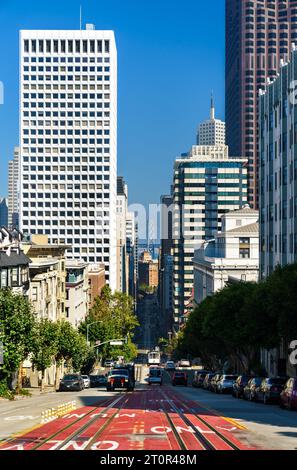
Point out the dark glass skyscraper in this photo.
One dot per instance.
(258, 36)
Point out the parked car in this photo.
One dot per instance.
(169, 365)
(198, 378)
(239, 385)
(86, 380)
(184, 363)
(71, 382)
(155, 376)
(225, 383)
(270, 389)
(288, 397)
(249, 391)
(98, 381)
(207, 381)
(180, 378)
(120, 378)
(214, 383)
(109, 363)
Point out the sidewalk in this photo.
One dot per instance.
(34, 392)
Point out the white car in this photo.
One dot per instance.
(169, 365)
(155, 376)
(86, 380)
(184, 363)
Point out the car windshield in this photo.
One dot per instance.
(119, 372)
(70, 377)
(155, 373)
(84, 377)
(230, 377)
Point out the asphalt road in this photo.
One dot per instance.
(151, 418)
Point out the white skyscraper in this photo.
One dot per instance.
(13, 190)
(68, 141)
(212, 131)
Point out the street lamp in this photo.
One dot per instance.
(88, 326)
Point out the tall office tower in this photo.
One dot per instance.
(68, 141)
(258, 35)
(166, 264)
(13, 190)
(207, 184)
(278, 171)
(122, 210)
(131, 244)
(212, 131)
(3, 212)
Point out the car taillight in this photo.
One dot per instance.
(112, 381)
(122, 381)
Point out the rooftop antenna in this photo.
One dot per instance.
(212, 107)
(80, 17)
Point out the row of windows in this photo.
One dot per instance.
(64, 60)
(64, 96)
(60, 69)
(70, 104)
(63, 141)
(64, 168)
(70, 114)
(63, 78)
(68, 150)
(62, 159)
(68, 87)
(70, 204)
(69, 46)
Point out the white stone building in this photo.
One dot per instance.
(77, 292)
(212, 131)
(232, 256)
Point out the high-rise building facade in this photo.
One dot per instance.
(166, 264)
(212, 131)
(68, 141)
(207, 184)
(3, 212)
(13, 190)
(122, 211)
(258, 36)
(278, 170)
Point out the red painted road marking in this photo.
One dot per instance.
(148, 419)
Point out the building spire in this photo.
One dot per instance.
(212, 107)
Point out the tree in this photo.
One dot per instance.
(17, 322)
(115, 312)
(45, 346)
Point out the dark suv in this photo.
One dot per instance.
(120, 378)
(180, 378)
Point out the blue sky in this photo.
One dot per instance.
(170, 57)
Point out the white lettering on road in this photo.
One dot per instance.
(75, 445)
(111, 445)
(74, 415)
(20, 418)
(227, 429)
(161, 430)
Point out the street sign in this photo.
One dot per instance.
(116, 343)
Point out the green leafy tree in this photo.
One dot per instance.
(115, 312)
(17, 322)
(45, 346)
